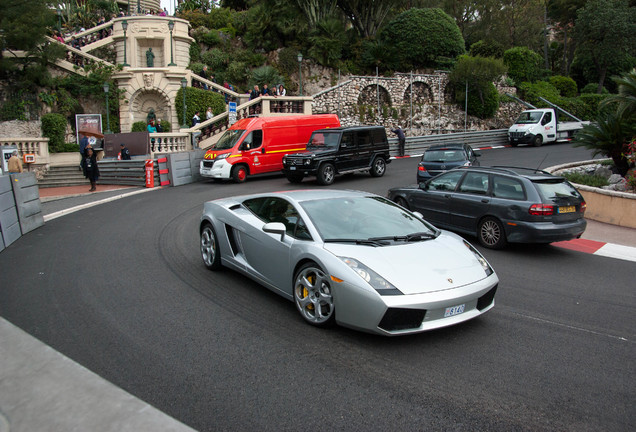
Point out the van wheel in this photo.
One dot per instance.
(538, 140)
(378, 167)
(294, 178)
(326, 174)
(239, 173)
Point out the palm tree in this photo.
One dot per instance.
(626, 97)
(608, 136)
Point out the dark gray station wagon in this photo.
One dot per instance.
(499, 204)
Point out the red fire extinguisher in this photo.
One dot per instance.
(150, 173)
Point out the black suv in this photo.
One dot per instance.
(339, 151)
(499, 204)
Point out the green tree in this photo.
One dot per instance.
(367, 16)
(523, 64)
(419, 37)
(606, 31)
(478, 73)
(608, 137)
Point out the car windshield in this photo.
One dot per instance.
(324, 140)
(555, 189)
(366, 218)
(529, 117)
(229, 139)
(444, 155)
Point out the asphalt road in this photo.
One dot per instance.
(121, 289)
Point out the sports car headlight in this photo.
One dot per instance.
(480, 258)
(222, 156)
(377, 282)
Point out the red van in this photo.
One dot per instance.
(256, 145)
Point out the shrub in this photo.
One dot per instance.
(523, 64)
(216, 59)
(585, 179)
(54, 128)
(417, 37)
(140, 126)
(211, 38)
(483, 102)
(565, 85)
(195, 53)
(487, 49)
(530, 92)
(265, 75)
(591, 89)
(199, 100)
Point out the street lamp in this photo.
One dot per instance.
(59, 19)
(138, 7)
(124, 26)
(107, 113)
(171, 27)
(184, 83)
(300, 73)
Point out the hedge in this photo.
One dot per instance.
(54, 128)
(199, 100)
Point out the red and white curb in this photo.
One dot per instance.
(594, 247)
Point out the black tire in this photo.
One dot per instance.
(294, 178)
(513, 143)
(326, 174)
(313, 296)
(537, 141)
(210, 248)
(239, 173)
(491, 233)
(402, 202)
(378, 167)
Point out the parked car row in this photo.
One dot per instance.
(383, 265)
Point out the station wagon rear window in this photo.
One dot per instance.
(556, 188)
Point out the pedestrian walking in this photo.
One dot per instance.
(124, 152)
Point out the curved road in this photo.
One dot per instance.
(120, 288)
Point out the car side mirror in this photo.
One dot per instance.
(275, 228)
(424, 186)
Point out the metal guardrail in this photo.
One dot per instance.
(417, 145)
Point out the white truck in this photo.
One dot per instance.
(541, 125)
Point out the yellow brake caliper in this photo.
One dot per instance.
(311, 280)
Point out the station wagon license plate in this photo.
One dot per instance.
(568, 209)
(455, 310)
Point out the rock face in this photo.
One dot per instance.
(21, 129)
(420, 103)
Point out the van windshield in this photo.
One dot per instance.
(529, 117)
(228, 139)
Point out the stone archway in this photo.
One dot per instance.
(422, 94)
(369, 96)
(146, 99)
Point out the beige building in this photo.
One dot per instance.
(144, 5)
(155, 53)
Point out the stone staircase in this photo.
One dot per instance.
(68, 175)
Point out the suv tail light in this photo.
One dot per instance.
(541, 210)
(583, 206)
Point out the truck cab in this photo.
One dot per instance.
(542, 125)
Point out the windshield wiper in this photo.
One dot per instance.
(419, 236)
(366, 242)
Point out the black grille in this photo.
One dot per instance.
(402, 319)
(517, 134)
(487, 299)
(208, 164)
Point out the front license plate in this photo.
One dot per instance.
(568, 209)
(455, 310)
(292, 168)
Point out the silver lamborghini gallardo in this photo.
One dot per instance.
(349, 257)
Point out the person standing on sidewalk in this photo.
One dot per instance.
(401, 139)
(125, 153)
(15, 164)
(89, 165)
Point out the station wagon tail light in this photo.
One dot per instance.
(583, 206)
(541, 210)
